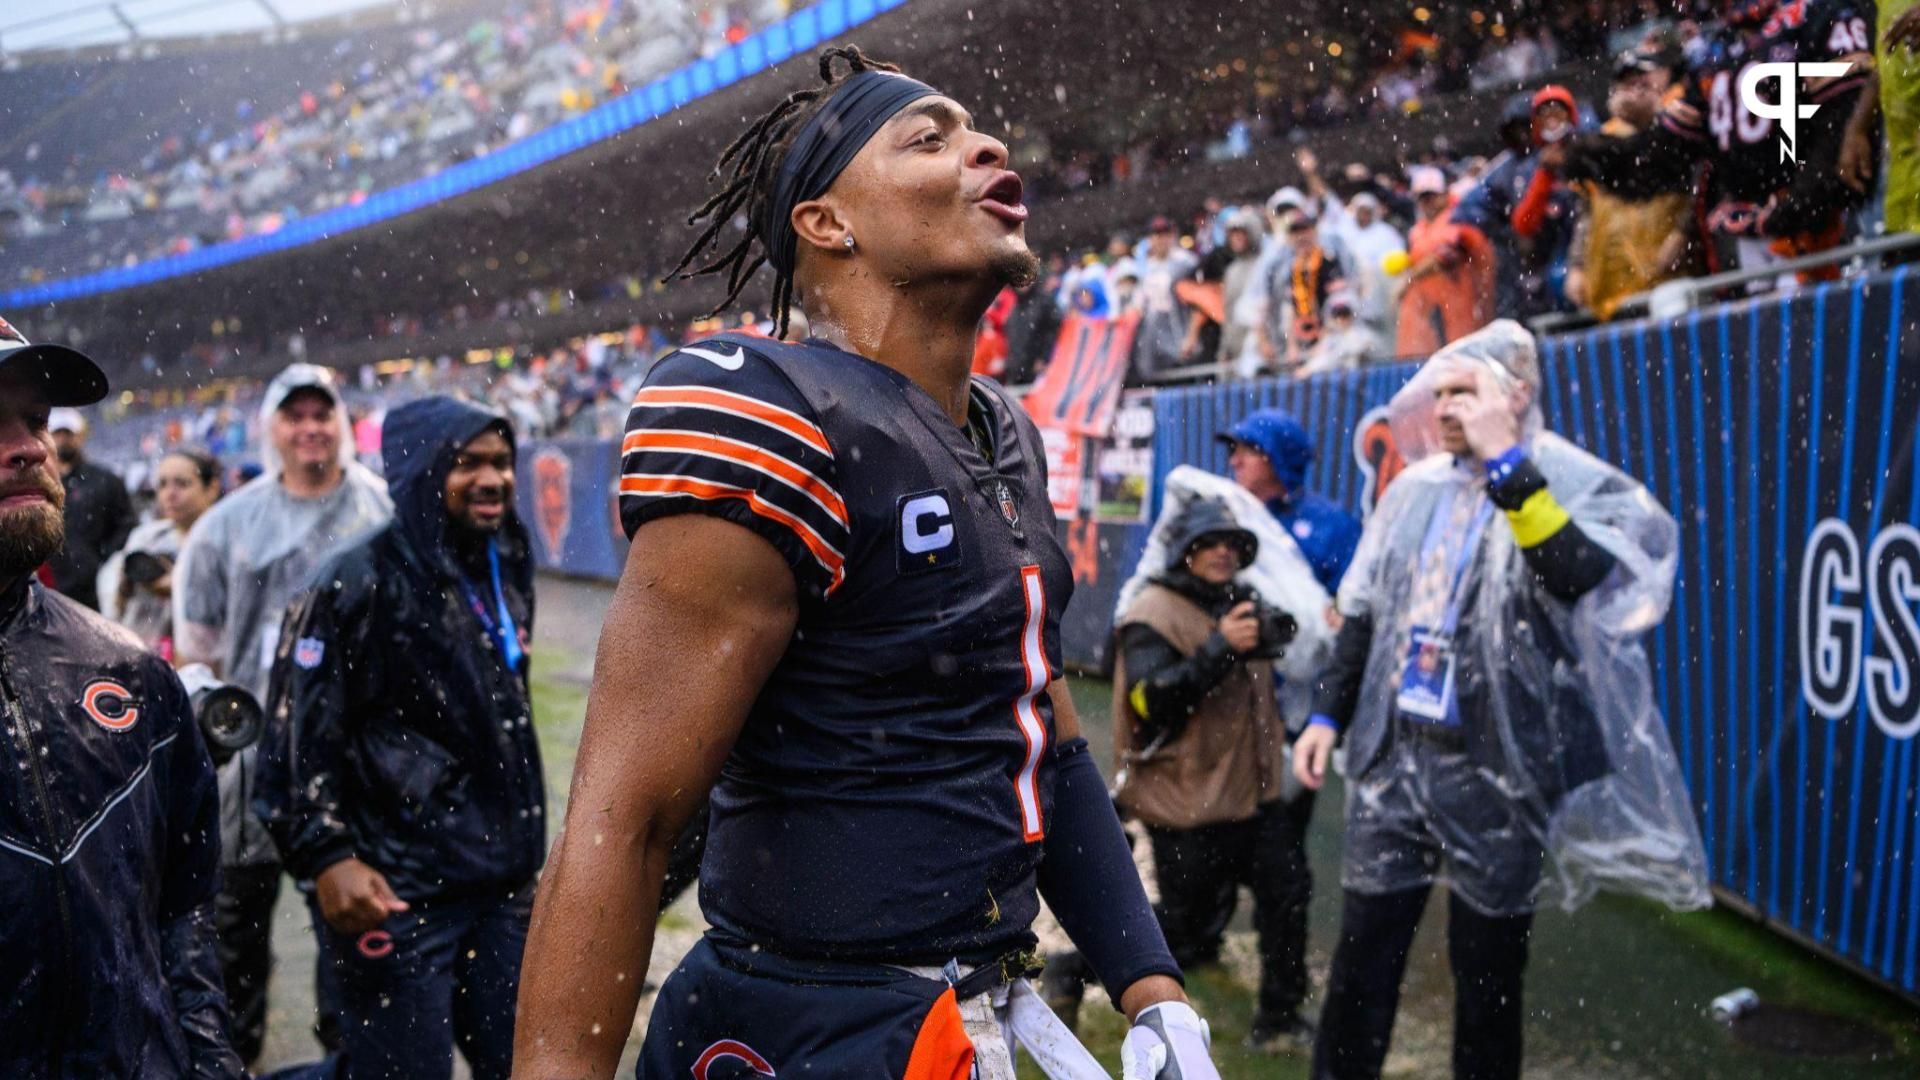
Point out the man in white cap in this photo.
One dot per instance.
(241, 565)
(99, 513)
(1449, 277)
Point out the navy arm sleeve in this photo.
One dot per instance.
(1088, 879)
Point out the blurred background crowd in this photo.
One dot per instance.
(1616, 164)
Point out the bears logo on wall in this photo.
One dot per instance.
(553, 498)
(1377, 454)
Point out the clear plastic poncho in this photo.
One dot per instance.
(240, 567)
(1565, 751)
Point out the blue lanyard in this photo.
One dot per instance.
(505, 634)
(1442, 513)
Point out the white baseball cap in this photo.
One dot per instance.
(1285, 197)
(65, 419)
(1427, 180)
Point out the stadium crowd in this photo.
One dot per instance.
(382, 111)
(1579, 206)
(1578, 211)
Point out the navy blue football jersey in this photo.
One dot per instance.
(886, 799)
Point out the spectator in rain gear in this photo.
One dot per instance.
(1496, 703)
(1624, 246)
(241, 564)
(1201, 760)
(400, 771)
(1449, 289)
(1527, 212)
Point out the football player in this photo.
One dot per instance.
(841, 616)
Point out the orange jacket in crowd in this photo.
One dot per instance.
(1449, 291)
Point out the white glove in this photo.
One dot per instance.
(1168, 1041)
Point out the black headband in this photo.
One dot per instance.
(859, 105)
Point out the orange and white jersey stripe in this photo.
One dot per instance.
(736, 441)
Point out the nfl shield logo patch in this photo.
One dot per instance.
(1003, 497)
(308, 651)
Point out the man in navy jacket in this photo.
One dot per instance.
(109, 821)
(401, 775)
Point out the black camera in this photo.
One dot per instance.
(1277, 628)
(230, 718)
(145, 567)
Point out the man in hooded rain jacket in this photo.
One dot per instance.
(400, 773)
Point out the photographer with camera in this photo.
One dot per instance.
(136, 584)
(1201, 754)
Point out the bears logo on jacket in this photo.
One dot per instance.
(111, 704)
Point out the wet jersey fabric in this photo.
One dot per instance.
(109, 856)
(826, 1020)
(888, 794)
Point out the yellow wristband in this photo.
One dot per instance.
(1537, 519)
(1137, 697)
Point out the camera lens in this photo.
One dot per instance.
(230, 720)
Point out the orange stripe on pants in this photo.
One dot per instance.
(942, 1050)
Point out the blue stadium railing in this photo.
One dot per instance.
(797, 33)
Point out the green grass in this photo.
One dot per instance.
(559, 711)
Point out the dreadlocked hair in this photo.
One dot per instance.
(746, 172)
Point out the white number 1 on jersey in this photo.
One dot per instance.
(1033, 656)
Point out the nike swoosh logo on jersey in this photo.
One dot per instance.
(727, 361)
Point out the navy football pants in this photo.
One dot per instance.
(445, 973)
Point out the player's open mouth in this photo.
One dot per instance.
(1003, 198)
